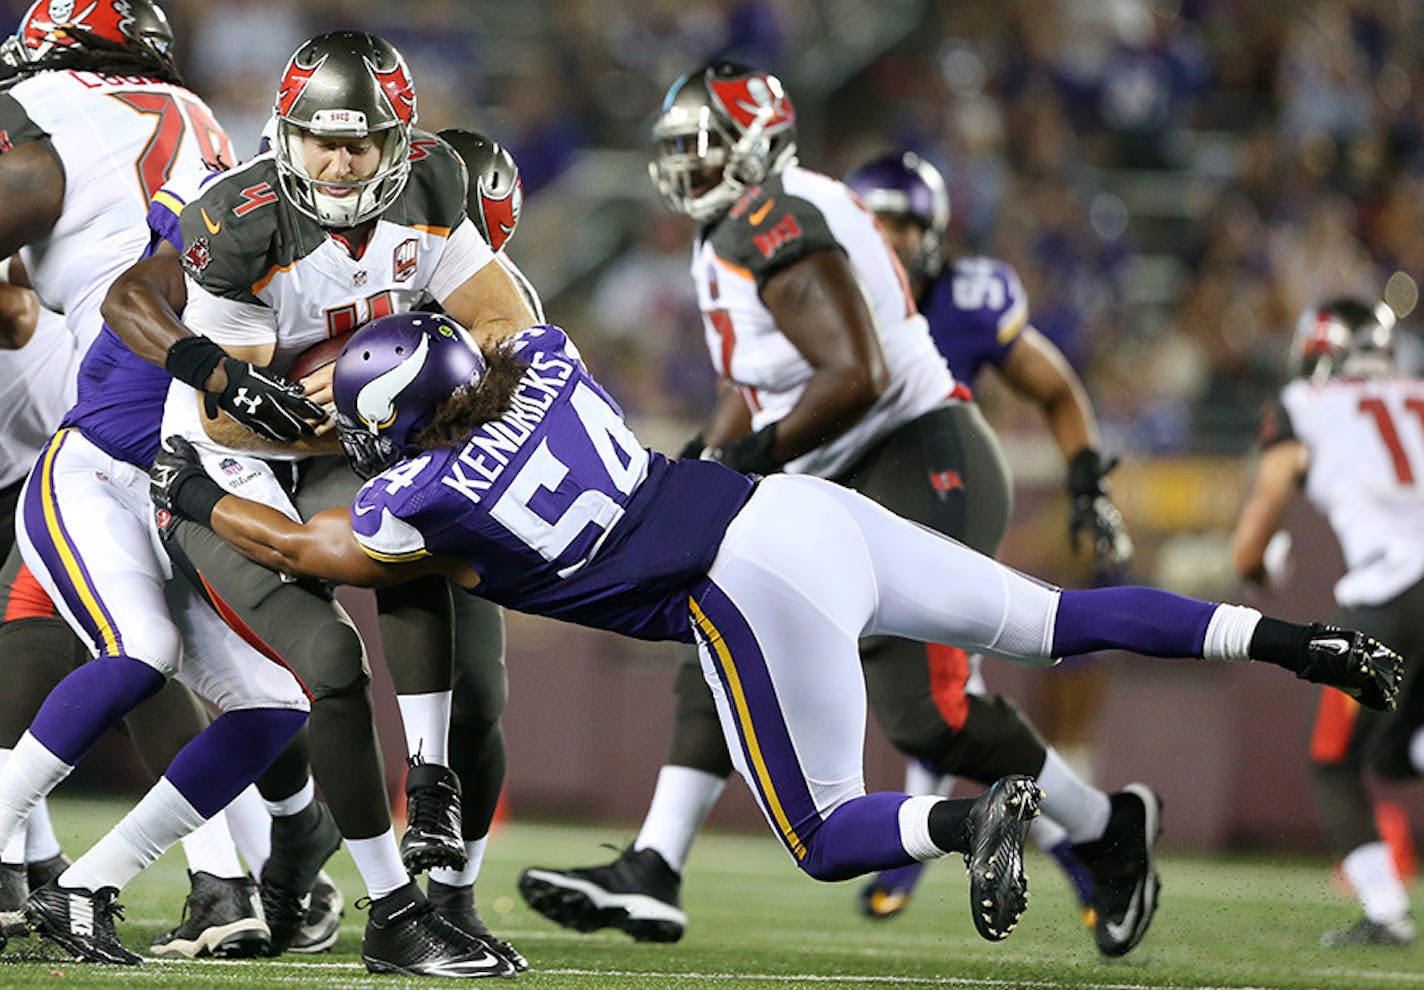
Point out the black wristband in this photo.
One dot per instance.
(197, 498)
(192, 359)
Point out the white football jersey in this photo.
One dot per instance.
(119, 139)
(260, 272)
(1366, 475)
(791, 215)
(37, 385)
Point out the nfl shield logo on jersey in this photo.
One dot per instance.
(405, 260)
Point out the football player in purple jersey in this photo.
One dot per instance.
(978, 315)
(828, 369)
(510, 471)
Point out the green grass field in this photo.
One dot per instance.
(757, 922)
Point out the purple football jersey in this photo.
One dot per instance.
(120, 400)
(558, 508)
(976, 309)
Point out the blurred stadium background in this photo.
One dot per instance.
(1174, 180)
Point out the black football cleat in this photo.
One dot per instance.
(457, 906)
(301, 845)
(1124, 870)
(81, 922)
(222, 918)
(405, 934)
(888, 893)
(998, 822)
(432, 807)
(322, 923)
(43, 871)
(637, 893)
(1359, 665)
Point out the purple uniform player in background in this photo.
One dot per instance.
(510, 472)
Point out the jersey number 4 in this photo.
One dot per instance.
(176, 116)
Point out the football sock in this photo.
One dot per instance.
(1370, 870)
(40, 841)
(1069, 800)
(1143, 620)
(251, 829)
(14, 851)
(294, 805)
(475, 856)
(426, 718)
(30, 773)
(877, 832)
(1047, 833)
(222, 760)
(681, 801)
(89, 700)
(920, 779)
(379, 863)
(209, 849)
(160, 819)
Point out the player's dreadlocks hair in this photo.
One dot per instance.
(469, 408)
(96, 54)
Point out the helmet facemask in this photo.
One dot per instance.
(703, 158)
(313, 196)
(344, 86)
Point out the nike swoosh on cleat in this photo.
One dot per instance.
(1122, 931)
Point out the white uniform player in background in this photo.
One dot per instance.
(1349, 431)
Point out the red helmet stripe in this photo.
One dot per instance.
(395, 82)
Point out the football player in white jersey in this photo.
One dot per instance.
(829, 369)
(93, 120)
(352, 215)
(1348, 431)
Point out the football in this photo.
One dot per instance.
(318, 355)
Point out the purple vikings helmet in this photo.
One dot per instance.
(906, 185)
(389, 380)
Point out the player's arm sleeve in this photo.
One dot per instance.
(230, 322)
(465, 254)
(383, 535)
(16, 127)
(1276, 426)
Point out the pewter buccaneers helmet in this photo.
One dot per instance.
(904, 184)
(1344, 336)
(496, 193)
(720, 130)
(56, 24)
(391, 377)
(345, 84)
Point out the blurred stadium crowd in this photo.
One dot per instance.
(1173, 179)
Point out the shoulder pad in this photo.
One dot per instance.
(16, 127)
(434, 195)
(768, 230)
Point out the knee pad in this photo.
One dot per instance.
(333, 663)
(697, 739)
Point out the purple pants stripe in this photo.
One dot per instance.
(44, 524)
(777, 777)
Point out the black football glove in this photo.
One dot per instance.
(178, 484)
(1092, 512)
(266, 404)
(750, 454)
